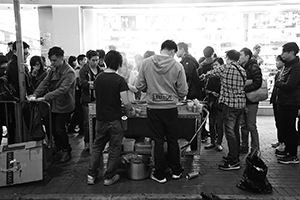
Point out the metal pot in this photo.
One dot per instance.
(138, 171)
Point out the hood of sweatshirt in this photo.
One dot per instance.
(163, 63)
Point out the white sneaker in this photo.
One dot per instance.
(90, 180)
(281, 147)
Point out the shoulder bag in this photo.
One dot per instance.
(260, 94)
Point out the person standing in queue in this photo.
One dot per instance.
(110, 89)
(60, 84)
(87, 75)
(165, 82)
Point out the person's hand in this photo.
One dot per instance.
(31, 98)
(131, 113)
(41, 99)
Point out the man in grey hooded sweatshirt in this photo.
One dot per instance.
(164, 80)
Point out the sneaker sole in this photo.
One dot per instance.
(114, 179)
(228, 169)
(176, 177)
(159, 181)
(288, 162)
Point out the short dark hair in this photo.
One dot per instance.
(71, 60)
(113, 59)
(91, 53)
(290, 46)
(25, 46)
(10, 43)
(101, 53)
(169, 45)
(208, 51)
(247, 52)
(219, 60)
(57, 51)
(80, 57)
(233, 55)
(183, 46)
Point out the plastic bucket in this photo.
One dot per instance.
(128, 144)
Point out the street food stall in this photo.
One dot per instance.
(190, 123)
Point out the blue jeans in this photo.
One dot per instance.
(231, 119)
(112, 132)
(248, 124)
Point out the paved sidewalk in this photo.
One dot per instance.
(68, 181)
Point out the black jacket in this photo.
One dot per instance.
(253, 72)
(190, 65)
(289, 84)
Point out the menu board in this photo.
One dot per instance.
(137, 33)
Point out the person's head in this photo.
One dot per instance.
(201, 60)
(182, 49)
(113, 60)
(26, 48)
(218, 62)
(72, 61)
(168, 47)
(256, 49)
(279, 62)
(138, 59)
(10, 46)
(81, 59)
(289, 51)
(93, 58)
(56, 56)
(208, 52)
(245, 55)
(147, 54)
(101, 53)
(232, 56)
(37, 64)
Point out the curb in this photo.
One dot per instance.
(139, 197)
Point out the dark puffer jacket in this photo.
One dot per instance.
(289, 84)
(253, 72)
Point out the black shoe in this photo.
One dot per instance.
(228, 166)
(280, 154)
(66, 156)
(209, 146)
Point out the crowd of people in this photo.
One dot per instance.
(160, 80)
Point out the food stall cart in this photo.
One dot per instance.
(189, 124)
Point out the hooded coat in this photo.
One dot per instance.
(164, 81)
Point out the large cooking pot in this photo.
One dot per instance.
(139, 170)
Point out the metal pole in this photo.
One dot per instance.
(19, 136)
(20, 50)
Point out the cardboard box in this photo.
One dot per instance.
(21, 163)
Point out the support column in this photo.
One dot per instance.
(67, 31)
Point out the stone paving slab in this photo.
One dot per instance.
(68, 181)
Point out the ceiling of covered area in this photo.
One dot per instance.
(97, 3)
